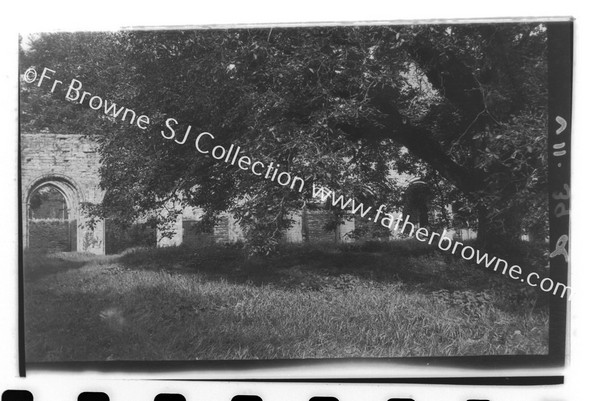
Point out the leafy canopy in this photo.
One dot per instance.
(463, 106)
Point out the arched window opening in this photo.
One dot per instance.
(48, 203)
(51, 226)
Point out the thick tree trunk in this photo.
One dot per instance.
(498, 237)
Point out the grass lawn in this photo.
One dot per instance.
(318, 301)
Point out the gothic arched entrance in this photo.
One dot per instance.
(52, 226)
(52, 214)
(54, 221)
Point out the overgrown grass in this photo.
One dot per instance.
(318, 301)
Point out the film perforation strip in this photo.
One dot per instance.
(25, 395)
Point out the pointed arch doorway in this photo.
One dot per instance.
(52, 226)
(52, 214)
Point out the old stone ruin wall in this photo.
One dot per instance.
(69, 165)
(306, 226)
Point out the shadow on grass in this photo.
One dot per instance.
(314, 266)
(37, 264)
(384, 263)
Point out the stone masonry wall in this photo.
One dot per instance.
(70, 163)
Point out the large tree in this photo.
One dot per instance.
(462, 105)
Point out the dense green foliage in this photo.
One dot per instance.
(463, 106)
